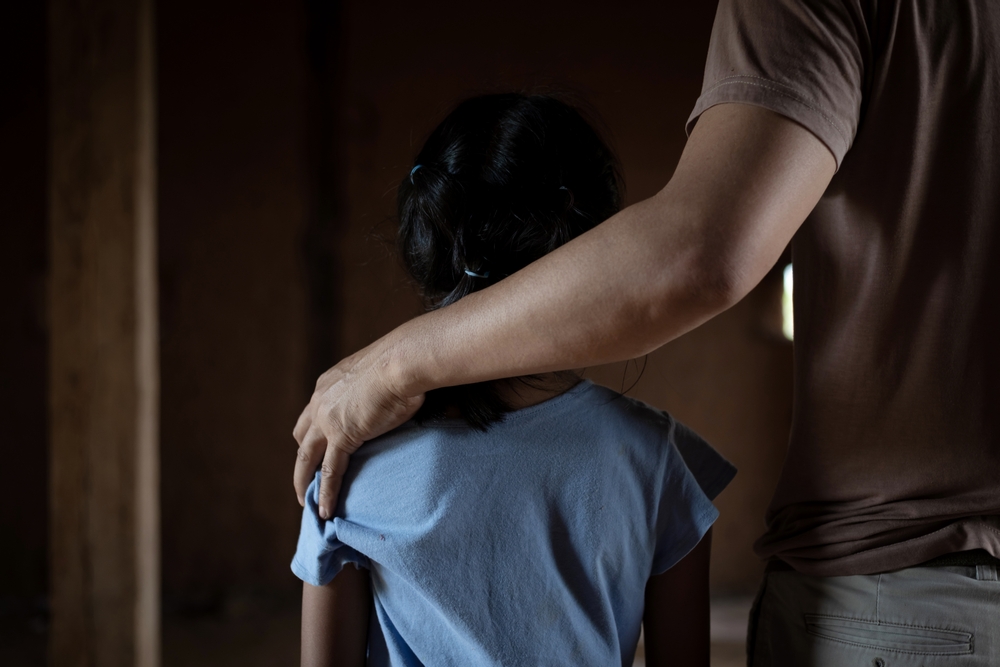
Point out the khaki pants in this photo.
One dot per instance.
(917, 617)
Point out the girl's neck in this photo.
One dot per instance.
(524, 392)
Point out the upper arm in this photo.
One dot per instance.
(805, 59)
(335, 620)
(676, 616)
(746, 181)
(781, 103)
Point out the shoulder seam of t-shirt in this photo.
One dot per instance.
(793, 94)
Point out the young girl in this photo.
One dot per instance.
(528, 521)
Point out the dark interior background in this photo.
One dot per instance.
(284, 128)
(23, 339)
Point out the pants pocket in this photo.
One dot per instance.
(889, 636)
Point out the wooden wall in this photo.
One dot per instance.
(268, 152)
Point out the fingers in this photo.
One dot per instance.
(311, 448)
(352, 403)
(331, 473)
(303, 424)
(308, 416)
(382, 417)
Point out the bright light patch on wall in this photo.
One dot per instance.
(787, 321)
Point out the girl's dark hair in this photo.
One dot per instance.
(503, 180)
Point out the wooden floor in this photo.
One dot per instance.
(249, 632)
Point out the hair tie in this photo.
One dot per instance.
(413, 171)
(484, 274)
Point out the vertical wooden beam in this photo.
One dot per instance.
(104, 382)
(326, 224)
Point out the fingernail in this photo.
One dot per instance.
(323, 514)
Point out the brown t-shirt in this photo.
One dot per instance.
(894, 455)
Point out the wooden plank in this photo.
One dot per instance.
(104, 519)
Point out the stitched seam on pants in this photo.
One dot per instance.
(891, 650)
(967, 637)
(895, 650)
(878, 592)
(911, 626)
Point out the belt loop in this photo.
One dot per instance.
(986, 572)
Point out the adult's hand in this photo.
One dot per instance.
(354, 401)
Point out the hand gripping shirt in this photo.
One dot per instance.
(528, 544)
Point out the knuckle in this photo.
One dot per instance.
(341, 427)
(323, 380)
(302, 455)
(352, 440)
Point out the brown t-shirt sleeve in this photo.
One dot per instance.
(803, 59)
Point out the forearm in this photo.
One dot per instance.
(600, 298)
(746, 181)
(656, 270)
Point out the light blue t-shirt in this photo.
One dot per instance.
(529, 544)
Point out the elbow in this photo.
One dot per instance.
(713, 282)
(704, 264)
(694, 290)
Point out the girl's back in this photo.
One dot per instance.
(530, 543)
(510, 536)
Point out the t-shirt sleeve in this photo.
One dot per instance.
(320, 556)
(803, 59)
(710, 469)
(694, 475)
